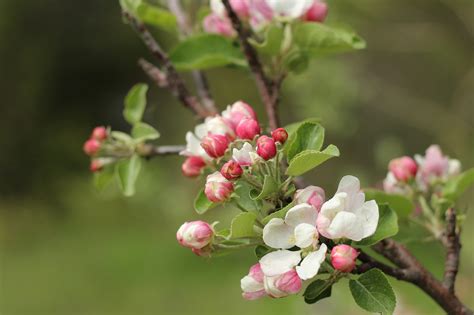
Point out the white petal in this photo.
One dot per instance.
(454, 167)
(277, 234)
(289, 9)
(279, 262)
(218, 7)
(367, 218)
(305, 235)
(343, 225)
(351, 186)
(201, 130)
(249, 284)
(302, 213)
(310, 265)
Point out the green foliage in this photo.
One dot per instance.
(261, 251)
(142, 132)
(206, 51)
(309, 159)
(401, 204)
(127, 173)
(317, 290)
(156, 16)
(242, 225)
(135, 103)
(269, 188)
(202, 204)
(242, 197)
(103, 178)
(308, 136)
(373, 292)
(272, 43)
(278, 214)
(316, 39)
(386, 227)
(456, 186)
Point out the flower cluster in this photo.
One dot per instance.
(420, 174)
(93, 146)
(260, 13)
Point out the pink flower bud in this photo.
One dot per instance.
(202, 252)
(99, 133)
(91, 147)
(192, 166)
(266, 147)
(280, 135)
(317, 12)
(218, 188)
(96, 165)
(312, 195)
(215, 145)
(238, 111)
(252, 284)
(241, 7)
(283, 285)
(248, 129)
(195, 234)
(403, 168)
(231, 170)
(343, 257)
(215, 24)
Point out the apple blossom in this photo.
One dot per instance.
(215, 145)
(297, 229)
(283, 285)
(96, 165)
(312, 195)
(347, 214)
(266, 147)
(252, 284)
(216, 24)
(317, 12)
(91, 147)
(195, 234)
(193, 146)
(289, 10)
(193, 166)
(260, 14)
(435, 165)
(343, 257)
(216, 125)
(248, 129)
(403, 168)
(246, 155)
(218, 188)
(99, 133)
(280, 135)
(240, 7)
(393, 186)
(238, 111)
(231, 170)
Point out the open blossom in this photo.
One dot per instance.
(312, 195)
(289, 10)
(282, 261)
(252, 284)
(215, 145)
(238, 111)
(347, 214)
(218, 188)
(216, 24)
(298, 228)
(91, 147)
(246, 155)
(231, 170)
(216, 125)
(436, 165)
(260, 14)
(403, 168)
(248, 128)
(343, 257)
(317, 12)
(266, 147)
(195, 234)
(193, 166)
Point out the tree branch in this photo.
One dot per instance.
(202, 85)
(265, 86)
(154, 73)
(453, 247)
(175, 83)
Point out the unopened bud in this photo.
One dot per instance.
(91, 147)
(193, 166)
(403, 168)
(218, 188)
(266, 147)
(317, 12)
(343, 257)
(231, 170)
(248, 129)
(195, 234)
(99, 133)
(215, 145)
(280, 135)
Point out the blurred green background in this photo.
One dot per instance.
(65, 67)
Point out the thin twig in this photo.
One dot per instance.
(264, 85)
(453, 248)
(175, 83)
(202, 85)
(154, 73)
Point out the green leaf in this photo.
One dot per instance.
(122, 137)
(296, 61)
(456, 186)
(261, 251)
(202, 204)
(373, 292)
(272, 42)
(278, 214)
(135, 103)
(206, 51)
(242, 225)
(269, 187)
(127, 173)
(401, 204)
(130, 5)
(317, 39)
(243, 199)
(386, 227)
(308, 136)
(317, 290)
(156, 16)
(142, 132)
(103, 178)
(307, 160)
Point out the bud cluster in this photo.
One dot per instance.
(93, 146)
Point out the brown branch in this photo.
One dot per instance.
(265, 86)
(453, 247)
(149, 150)
(175, 83)
(154, 73)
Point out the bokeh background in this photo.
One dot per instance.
(65, 67)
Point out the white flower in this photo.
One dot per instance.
(246, 155)
(289, 10)
(298, 228)
(347, 214)
(193, 147)
(218, 8)
(217, 126)
(281, 261)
